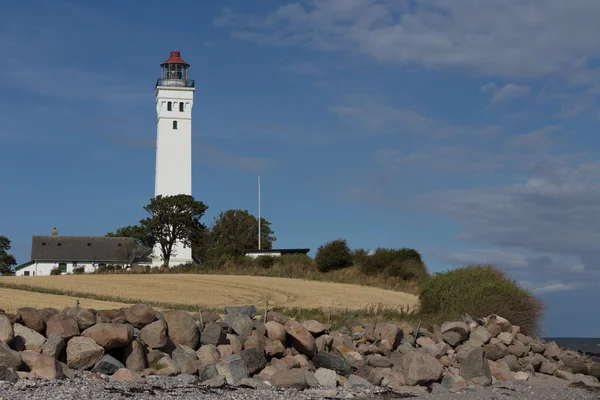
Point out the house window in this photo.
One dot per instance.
(181, 106)
(62, 267)
(26, 273)
(74, 264)
(174, 124)
(169, 106)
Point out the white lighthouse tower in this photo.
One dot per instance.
(174, 99)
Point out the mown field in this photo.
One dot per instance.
(188, 291)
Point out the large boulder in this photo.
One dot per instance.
(63, 326)
(301, 340)
(208, 355)
(314, 327)
(83, 352)
(275, 331)
(140, 315)
(495, 351)
(390, 332)
(107, 365)
(332, 362)
(30, 336)
(155, 334)
(454, 332)
(420, 368)
(255, 360)
(213, 334)
(475, 367)
(182, 328)
(134, 356)
(249, 311)
(233, 368)
(47, 313)
(110, 336)
(84, 317)
(239, 323)
(53, 346)
(8, 357)
(31, 318)
(6, 329)
(290, 379)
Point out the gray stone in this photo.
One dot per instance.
(333, 362)
(215, 382)
(476, 365)
(453, 338)
(107, 365)
(53, 346)
(8, 375)
(239, 323)
(249, 311)
(6, 329)
(420, 368)
(208, 372)
(290, 379)
(31, 337)
(233, 368)
(134, 356)
(495, 351)
(404, 348)
(213, 334)
(481, 334)
(379, 361)
(594, 369)
(181, 354)
(188, 379)
(326, 377)
(355, 381)
(8, 357)
(454, 332)
(548, 368)
(255, 360)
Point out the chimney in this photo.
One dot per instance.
(54, 232)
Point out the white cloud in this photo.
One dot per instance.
(502, 95)
(509, 38)
(557, 287)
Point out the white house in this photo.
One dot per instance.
(68, 252)
(255, 253)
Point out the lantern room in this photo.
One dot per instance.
(174, 72)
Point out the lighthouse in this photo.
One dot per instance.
(174, 94)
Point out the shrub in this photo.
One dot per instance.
(480, 291)
(402, 263)
(79, 270)
(333, 255)
(55, 271)
(265, 261)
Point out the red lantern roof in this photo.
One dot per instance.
(174, 58)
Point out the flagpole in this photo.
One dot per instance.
(259, 211)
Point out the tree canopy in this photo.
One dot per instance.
(173, 219)
(141, 248)
(234, 231)
(7, 261)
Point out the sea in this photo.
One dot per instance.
(589, 346)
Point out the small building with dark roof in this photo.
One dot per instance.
(69, 252)
(254, 253)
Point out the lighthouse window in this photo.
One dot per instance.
(169, 106)
(174, 124)
(180, 106)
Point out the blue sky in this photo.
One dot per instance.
(466, 130)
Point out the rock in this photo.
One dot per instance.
(63, 326)
(235, 342)
(494, 329)
(257, 340)
(333, 362)
(475, 365)
(31, 318)
(215, 382)
(500, 371)
(249, 311)
(454, 332)
(208, 355)
(6, 329)
(548, 368)
(552, 350)
(314, 327)
(140, 315)
(277, 317)
(155, 334)
(576, 365)
(354, 358)
(379, 361)
(355, 382)
(404, 348)
(187, 379)
(594, 370)
(290, 379)
(84, 317)
(512, 361)
(255, 360)
(110, 336)
(275, 331)
(274, 349)
(47, 313)
(213, 334)
(134, 355)
(239, 323)
(564, 375)
(8, 357)
(326, 377)
(302, 340)
(521, 376)
(181, 354)
(83, 352)
(46, 367)
(495, 351)
(8, 375)
(537, 347)
(107, 365)
(506, 338)
(53, 346)
(518, 349)
(182, 328)
(190, 367)
(535, 361)
(420, 368)
(481, 334)
(233, 368)
(425, 341)
(167, 367)
(125, 375)
(30, 336)
(208, 372)
(436, 350)
(209, 317)
(390, 332)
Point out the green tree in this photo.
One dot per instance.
(7, 261)
(138, 232)
(234, 231)
(173, 219)
(333, 255)
(140, 249)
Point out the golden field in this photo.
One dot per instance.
(12, 299)
(208, 291)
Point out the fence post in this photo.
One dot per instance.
(201, 321)
(77, 304)
(266, 310)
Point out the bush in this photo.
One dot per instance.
(55, 271)
(402, 263)
(79, 270)
(480, 291)
(265, 261)
(333, 255)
